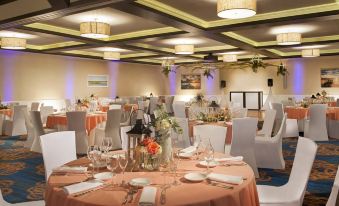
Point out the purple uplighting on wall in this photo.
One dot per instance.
(114, 72)
(69, 90)
(8, 77)
(172, 77)
(298, 78)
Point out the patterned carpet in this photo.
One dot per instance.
(22, 172)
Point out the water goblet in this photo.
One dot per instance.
(112, 164)
(123, 161)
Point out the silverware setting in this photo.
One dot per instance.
(219, 184)
(129, 195)
(163, 194)
(230, 164)
(89, 191)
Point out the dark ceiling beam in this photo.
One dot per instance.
(3, 2)
(53, 13)
(299, 45)
(217, 51)
(149, 13)
(59, 4)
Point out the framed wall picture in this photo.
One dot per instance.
(329, 77)
(97, 80)
(191, 81)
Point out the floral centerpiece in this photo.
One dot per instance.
(149, 153)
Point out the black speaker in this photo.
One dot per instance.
(222, 84)
(270, 82)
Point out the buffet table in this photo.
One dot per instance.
(187, 193)
(92, 120)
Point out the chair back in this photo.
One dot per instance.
(216, 134)
(169, 104)
(278, 107)
(45, 111)
(153, 104)
(268, 122)
(30, 130)
(243, 140)
(112, 128)
(19, 126)
(38, 130)
(184, 139)
(334, 193)
(317, 125)
(301, 169)
(35, 106)
(179, 109)
(76, 121)
(58, 148)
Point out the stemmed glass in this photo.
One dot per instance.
(123, 161)
(106, 144)
(112, 164)
(174, 160)
(91, 151)
(208, 154)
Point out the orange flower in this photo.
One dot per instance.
(153, 148)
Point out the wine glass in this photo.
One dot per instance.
(107, 144)
(123, 161)
(112, 164)
(174, 160)
(91, 150)
(208, 155)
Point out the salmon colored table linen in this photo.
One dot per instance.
(300, 113)
(128, 107)
(228, 137)
(92, 120)
(187, 193)
(7, 112)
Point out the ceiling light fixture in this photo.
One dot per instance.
(13, 43)
(310, 53)
(229, 58)
(184, 49)
(289, 38)
(112, 55)
(95, 30)
(236, 9)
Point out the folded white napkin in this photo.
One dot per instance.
(82, 186)
(229, 159)
(190, 149)
(237, 180)
(67, 169)
(148, 196)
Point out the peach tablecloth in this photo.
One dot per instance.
(92, 120)
(228, 137)
(7, 112)
(126, 107)
(186, 193)
(300, 113)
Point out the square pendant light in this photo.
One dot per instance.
(289, 38)
(111, 55)
(95, 30)
(229, 58)
(236, 9)
(184, 49)
(310, 53)
(13, 43)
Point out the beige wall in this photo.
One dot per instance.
(29, 76)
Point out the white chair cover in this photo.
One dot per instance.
(179, 109)
(292, 193)
(30, 130)
(168, 104)
(35, 106)
(76, 121)
(243, 136)
(153, 104)
(268, 151)
(333, 199)
(45, 111)
(216, 134)
(58, 148)
(268, 123)
(278, 107)
(183, 139)
(315, 127)
(17, 125)
(38, 130)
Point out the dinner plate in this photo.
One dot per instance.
(211, 164)
(103, 176)
(140, 182)
(195, 176)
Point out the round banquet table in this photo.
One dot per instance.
(92, 120)
(187, 193)
(300, 113)
(126, 107)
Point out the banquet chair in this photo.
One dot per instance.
(278, 107)
(38, 130)
(169, 104)
(126, 121)
(111, 129)
(30, 130)
(292, 193)
(216, 134)
(315, 127)
(58, 148)
(268, 151)
(30, 203)
(268, 123)
(153, 104)
(243, 140)
(184, 138)
(2, 118)
(45, 111)
(179, 109)
(333, 200)
(76, 121)
(17, 125)
(35, 106)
